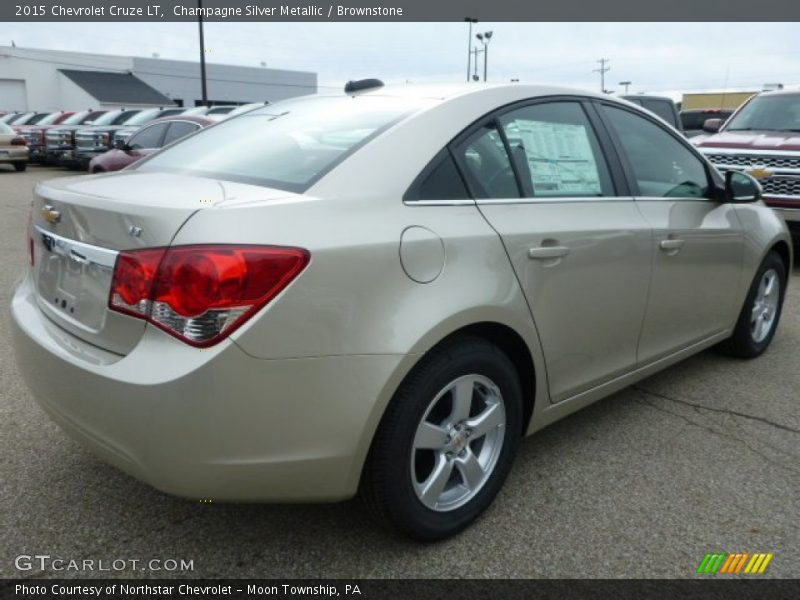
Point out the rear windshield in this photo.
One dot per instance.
(50, 119)
(5, 129)
(768, 113)
(114, 117)
(149, 115)
(288, 145)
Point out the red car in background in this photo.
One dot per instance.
(150, 138)
(762, 138)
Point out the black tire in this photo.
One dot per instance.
(386, 485)
(742, 343)
(20, 166)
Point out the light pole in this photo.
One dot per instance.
(476, 52)
(202, 54)
(469, 20)
(626, 84)
(484, 39)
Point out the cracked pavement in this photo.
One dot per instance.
(702, 457)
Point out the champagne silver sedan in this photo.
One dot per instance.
(379, 293)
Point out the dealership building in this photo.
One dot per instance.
(45, 80)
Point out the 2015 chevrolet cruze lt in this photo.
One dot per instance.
(383, 291)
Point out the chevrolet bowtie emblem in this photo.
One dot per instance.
(759, 172)
(50, 214)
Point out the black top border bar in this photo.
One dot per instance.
(400, 10)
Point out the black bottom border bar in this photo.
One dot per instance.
(414, 589)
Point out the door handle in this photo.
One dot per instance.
(545, 252)
(670, 244)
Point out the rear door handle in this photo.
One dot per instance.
(544, 252)
(670, 244)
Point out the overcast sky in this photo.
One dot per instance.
(654, 56)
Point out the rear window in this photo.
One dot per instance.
(5, 129)
(288, 145)
(662, 108)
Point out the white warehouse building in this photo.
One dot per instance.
(48, 80)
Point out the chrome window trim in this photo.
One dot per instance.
(674, 199)
(78, 251)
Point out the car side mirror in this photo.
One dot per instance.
(741, 187)
(121, 145)
(712, 125)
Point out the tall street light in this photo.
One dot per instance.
(485, 38)
(626, 84)
(469, 20)
(202, 54)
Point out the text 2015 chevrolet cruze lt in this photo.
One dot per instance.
(383, 291)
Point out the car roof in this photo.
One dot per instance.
(448, 91)
(781, 93)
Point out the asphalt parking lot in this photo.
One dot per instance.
(703, 457)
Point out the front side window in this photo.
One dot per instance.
(149, 137)
(556, 151)
(486, 164)
(288, 145)
(663, 166)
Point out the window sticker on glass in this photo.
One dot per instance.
(560, 158)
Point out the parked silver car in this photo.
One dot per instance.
(384, 291)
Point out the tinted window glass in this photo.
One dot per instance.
(149, 137)
(288, 148)
(768, 113)
(179, 129)
(662, 165)
(556, 151)
(662, 108)
(440, 180)
(487, 166)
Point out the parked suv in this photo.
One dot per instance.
(93, 141)
(763, 138)
(59, 139)
(660, 106)
(35, 134)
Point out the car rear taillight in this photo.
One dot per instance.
(201, 294)
(19, 141)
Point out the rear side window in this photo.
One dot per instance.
(662, 166)
(486, 164)
(179, 129)
(556, 151)
(288, 145)
(440, 180)
(149, 137)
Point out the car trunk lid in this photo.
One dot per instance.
(79, 225)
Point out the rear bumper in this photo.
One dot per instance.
(213, 423)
